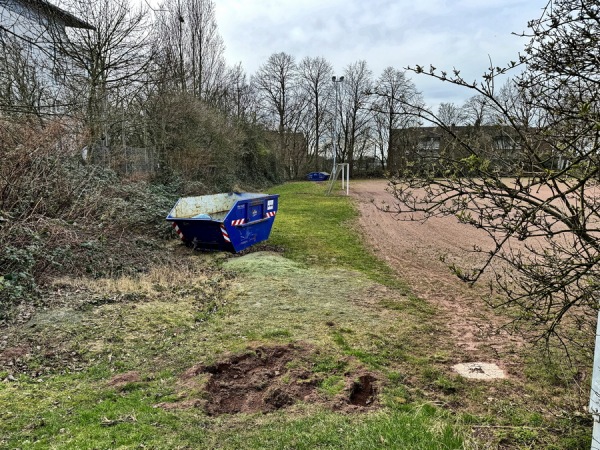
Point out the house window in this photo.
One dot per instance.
(504, 143)
(506, 147)
(429, 146)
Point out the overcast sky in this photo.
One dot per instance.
(446, 33)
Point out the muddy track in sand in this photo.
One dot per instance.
(414, 249)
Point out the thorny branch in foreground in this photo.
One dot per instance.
(539, 201)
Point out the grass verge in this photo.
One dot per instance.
(319, 229)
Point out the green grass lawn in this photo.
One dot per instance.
(326, 291)
(321, 229)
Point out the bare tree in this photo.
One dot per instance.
(315, 76)
(22, 87)
(545, 221)
(477, 110)
(450, 114)
(190, 44)
(108, 61)
(396, 104)
(170, 61)
(239, 95)
(356, 117)
(206, 50)
(276, 84)
(515, 100)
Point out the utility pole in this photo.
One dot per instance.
(336, 137)
(336, 140)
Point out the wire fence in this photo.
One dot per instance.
(125, 160)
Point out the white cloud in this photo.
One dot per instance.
(397, 33)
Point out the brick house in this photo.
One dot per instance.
(432, 149)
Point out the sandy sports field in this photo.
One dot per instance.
(414, 249)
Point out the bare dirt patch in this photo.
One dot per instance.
(267, 379)
(13, 354)
(414, 249)
(123, 379)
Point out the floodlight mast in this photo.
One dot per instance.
(336, 137)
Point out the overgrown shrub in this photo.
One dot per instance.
(203, 147)
(59, 216)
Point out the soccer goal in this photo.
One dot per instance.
(342, 169)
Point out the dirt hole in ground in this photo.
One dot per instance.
(363, 391)
(267, 379)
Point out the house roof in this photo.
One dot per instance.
(490, 130)
(47, 8)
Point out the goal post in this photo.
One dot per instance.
(342, 169)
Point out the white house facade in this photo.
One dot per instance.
(30, 35)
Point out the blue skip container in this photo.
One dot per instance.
(230, 221)
(317, 176)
